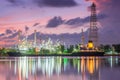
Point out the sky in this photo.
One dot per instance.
(56, 18)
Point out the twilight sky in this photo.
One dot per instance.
(58, 18)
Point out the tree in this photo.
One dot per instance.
(117, 47)
(107, 48)
(62, 48)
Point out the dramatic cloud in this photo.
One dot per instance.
(57, 3)
(36, 24)
(54, 22)
(26, 28)
(74, 21)
(72, 17)
(2, 34)
(110, 25)
(52, 3)
(11, 36)
(8, 31)
(60, 3)
(12, 1)
(81, 21)
(8, 34)
(16, 2)
(101, 4)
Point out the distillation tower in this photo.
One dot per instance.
(82, 38)
(19, 35)
(35, 38)
(93, 33)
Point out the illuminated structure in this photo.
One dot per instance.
(19, 34)
(50, 46)
(23, 45)
(35, 38)
(82, 38)
(46, 46)
(93, 33)
(90, 45)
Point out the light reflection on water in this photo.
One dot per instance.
(60, 68)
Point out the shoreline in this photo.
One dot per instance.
(77, 54)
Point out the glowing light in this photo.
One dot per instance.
(90, 45)
(46, 46)
(91, 65)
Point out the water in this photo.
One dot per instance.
(60, 68)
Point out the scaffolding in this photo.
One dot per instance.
(93, 33)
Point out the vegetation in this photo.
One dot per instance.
(3, 52)
(108, 48)
(116, 47)
(62, 50)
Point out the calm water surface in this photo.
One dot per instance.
(60, 68)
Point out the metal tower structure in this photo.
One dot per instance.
(35, 38)
(19, 35)
(82, 38)
(93, 33)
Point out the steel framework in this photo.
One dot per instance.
(93, 33)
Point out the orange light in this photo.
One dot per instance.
(91, 65)
(90, 45)
(37, 50)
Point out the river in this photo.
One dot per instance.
(60, 68)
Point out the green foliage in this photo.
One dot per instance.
(31, 51)
(44, 51)
(3, 52)
(77, 47)
(107, 48)
(116, 47)
(101, 47)
(65, 51)
(62, 48)
(70, 50)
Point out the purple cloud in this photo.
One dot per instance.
(54, 22)
(56, 3)
(8, 31)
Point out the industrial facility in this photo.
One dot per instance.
(48, 46)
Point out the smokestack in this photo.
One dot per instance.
(82, 37)
(19, 35)
(35, 38)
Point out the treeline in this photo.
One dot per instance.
(113, 47)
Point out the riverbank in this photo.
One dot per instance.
(68, 54)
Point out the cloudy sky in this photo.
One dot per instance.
(56, 18)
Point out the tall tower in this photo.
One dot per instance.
(35, 39)
(19, 35)
(93, 33)
(82, 38)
